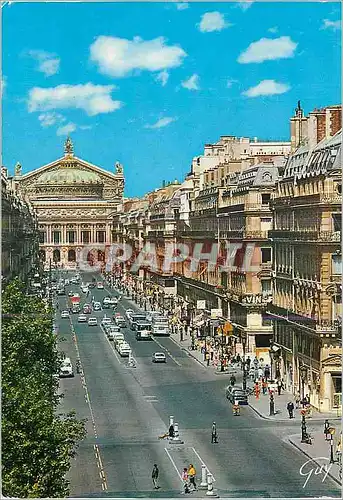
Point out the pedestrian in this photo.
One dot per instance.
(264, 386)
(212, 353)
(191, 474)
(248, 361)
(267, 372)
(232, 380)
(214, 438)
(290, 408)
(171, 431)
(154, 476)
(207, 356)
(297, 400)
(238, 358)
(184, 477)
(279, 387)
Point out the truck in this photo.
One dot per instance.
(74, 304)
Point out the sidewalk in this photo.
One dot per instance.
(199, 357)
(318, 452)
(261, 407)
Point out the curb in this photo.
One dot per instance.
(266, 417)
(313, 459)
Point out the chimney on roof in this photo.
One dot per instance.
(163, 183)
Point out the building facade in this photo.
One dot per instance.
(19, 230)
(307, 296)
(75, 202)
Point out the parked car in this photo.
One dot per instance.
(66, 369)
(236, 394)
(159, 357)
(100, 285)
(118, 338)
(111, 332)
(106, 303)
(82, 318)
(97, 306)
(92, 321)
(124, 349)
(65, 314)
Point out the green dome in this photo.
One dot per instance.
(69, 176)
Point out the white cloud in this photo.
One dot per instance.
(274, 29)
(66, 129)
(162, 122)
(192, 83)
(162, 77)
(48, 63)
(268, 49)
(245, 5)
(93, 99)
(50, 118)
(2, 86)
(85, 127)
(334, 25)
(182, 5)
(120, 57)
(230, 82)
(212, 21)
(267, 87)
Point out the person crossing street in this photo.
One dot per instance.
(191, 475)
(154, 476)
(214, 438)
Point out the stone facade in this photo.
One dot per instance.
(75, 202)
(19, 230)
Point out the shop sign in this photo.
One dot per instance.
(201, 304)
(216, 313)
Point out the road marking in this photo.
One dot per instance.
(112, 347)
(151, 399)
(174, 464)
(102, 474)
(202, 462)
(162, 347)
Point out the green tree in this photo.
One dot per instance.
(37, 442)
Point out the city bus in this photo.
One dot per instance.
(143, 330)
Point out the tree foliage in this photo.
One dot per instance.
(37, 442)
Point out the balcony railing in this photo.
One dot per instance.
(244, 234)
(316, 236)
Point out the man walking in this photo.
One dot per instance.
(290, 408)
(191, 475)
(154, 476)
(214, 438)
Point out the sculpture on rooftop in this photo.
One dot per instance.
(17, 169)
(68, 146)
(119, 168)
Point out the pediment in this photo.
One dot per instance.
(70, 161)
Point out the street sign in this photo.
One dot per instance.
(201, 304)
(216, 313)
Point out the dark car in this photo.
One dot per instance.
(236, 394)
(91, 285)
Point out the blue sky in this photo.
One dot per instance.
(148, 84)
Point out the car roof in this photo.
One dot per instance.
(159, 354)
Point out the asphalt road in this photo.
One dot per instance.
(128, 408)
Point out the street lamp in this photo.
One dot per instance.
(332, 432)
(222, 359)
(271, 405)
(303, 374)
(244, 365)
(305, 437)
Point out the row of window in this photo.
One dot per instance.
(71, 256)
(100, 237)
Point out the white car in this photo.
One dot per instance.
(82, 318)
(65, 314)
(92, 321)
(84, 289)
(111, 333)
(124, 349)
(106, 321)
(128, 312)
(100, 286)
(66, 369)
(162, 330)
(97, 306)
(159, 357)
